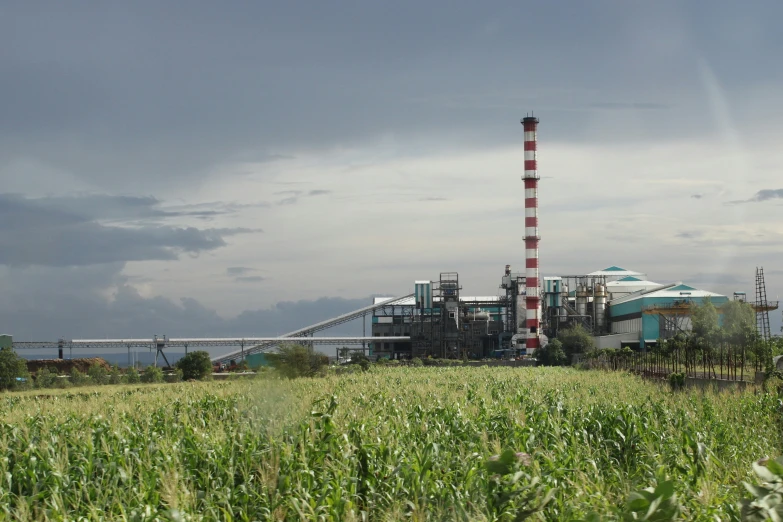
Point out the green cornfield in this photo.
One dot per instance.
(386, 444)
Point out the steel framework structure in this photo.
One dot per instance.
(248, 345)
(762, 312)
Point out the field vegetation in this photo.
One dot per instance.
(389, 443)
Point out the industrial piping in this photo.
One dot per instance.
(533, 297)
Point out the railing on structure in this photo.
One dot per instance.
(720, 364)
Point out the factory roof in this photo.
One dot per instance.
(410, 301)
(631, 281)
(674, 290)
(615, 271)
(681, 290)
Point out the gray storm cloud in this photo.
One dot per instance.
(146, 104)
(36, 232)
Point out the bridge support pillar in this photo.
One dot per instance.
(160, 344)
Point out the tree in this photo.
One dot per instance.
(195, 365)
(297, 361)
(739, 331)
(12, 368)
(575, 340)
(739, 324)
(705, 327)
(552, 354)
(705, 334)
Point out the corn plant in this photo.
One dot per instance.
(396, 443)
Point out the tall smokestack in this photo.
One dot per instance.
(533, 299)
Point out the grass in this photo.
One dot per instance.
(388, 444)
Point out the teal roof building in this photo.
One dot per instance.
(641, 318)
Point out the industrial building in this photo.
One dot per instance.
(618, 306)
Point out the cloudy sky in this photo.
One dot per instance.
(210, 169)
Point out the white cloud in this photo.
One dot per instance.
(372, 232)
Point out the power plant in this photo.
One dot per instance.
(618, 307)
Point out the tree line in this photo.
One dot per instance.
(14, 374)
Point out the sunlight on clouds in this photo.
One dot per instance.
(375, 230)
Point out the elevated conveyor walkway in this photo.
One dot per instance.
(248, 345)
(308, 331)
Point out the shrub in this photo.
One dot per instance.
(45, 378)
(152, 374)
(417, 362)
(115, 376)
(195, 365)
(98, 374)
(12, 368)
(575, 340)
(175, 376)
(361, 360)
(294, 361)
(552, 354)
(677, 380)
(132, 376)
(78, 378)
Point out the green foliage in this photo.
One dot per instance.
(357, 358)
(552, 354)
(417, 362)
(394, 443)
(78, 378)
(776, 346)
(739, 323)
(294, 361)
(11, 367)
(115, 376)
(575, 340)
(767, 501)
(657, 504)
(195, 365)
(152, 374)
(677, 380)
(132, 376)
(98, 374)
(45, 378)
(174, 376)
(705, 326)
(511, 491)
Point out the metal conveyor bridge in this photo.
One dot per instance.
(248, 345)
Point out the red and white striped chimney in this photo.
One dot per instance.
(533, 299)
